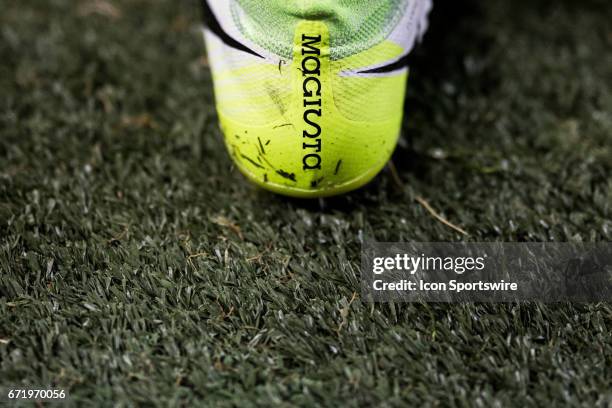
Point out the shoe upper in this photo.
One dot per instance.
(310, 92)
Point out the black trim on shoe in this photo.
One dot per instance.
(210, 20)
(401, 63)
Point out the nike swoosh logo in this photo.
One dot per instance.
(210, 20)
(397, 65)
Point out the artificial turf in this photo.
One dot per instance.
(137, 266)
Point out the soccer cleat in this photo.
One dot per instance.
(310, 93)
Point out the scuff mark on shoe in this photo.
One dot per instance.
(315, 183)
(274, 94)
(338, 167)
(288, 176)
(253, 162)
(260, 157)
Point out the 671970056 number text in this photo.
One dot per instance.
(35, 394)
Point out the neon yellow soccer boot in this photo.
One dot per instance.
(310, 93)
